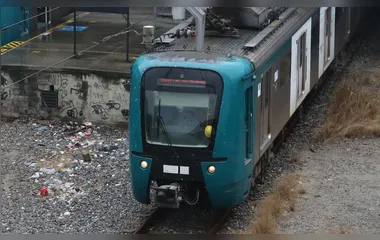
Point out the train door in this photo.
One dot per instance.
(249, 122)
(249, 146)
(266, 80)
(326, 38)
(300, 66)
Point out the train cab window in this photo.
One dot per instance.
(179, 104)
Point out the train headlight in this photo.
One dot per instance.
(143, 164)
(211, 169)
(208, 131)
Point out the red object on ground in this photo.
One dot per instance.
(43, 192)
(87, 133)
(365, 143)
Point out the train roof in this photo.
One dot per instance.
(253, 44)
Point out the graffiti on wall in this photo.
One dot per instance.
(103, 109)
(125, 113)
(69, 110)
(90, 97)
(4, 92)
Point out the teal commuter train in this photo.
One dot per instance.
(202, 123)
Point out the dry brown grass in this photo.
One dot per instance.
(295, 157)
(354, 110)
(282, 199)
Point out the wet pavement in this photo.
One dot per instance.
(54, 46)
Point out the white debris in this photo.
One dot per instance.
(68, 184)
(47, 171)
(36, 175)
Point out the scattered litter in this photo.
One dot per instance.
(43, 128)
(88, 124)
(43, 192)
(108, 148)
(47, 171)
(64, 168)
(68, 184)
(36, 175)
(365, 143)
(86, 155)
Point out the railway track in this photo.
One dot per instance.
(217, 220)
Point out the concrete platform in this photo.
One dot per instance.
(49, 47)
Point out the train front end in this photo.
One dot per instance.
(185, 136)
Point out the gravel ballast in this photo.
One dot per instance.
(83, 197)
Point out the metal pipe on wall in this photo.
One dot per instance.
(127, 46)
(75, 31)
(200, 26)
(178, 13)
(154, 19)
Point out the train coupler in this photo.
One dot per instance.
(169, 196)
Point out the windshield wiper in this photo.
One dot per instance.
(161, 123)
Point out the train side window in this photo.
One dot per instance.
(249, 120)
(301, 64)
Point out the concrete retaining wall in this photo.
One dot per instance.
(92, 96)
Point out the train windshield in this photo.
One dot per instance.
(179, 104)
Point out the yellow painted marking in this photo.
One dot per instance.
(12, 45)
(17, 43)
(36, 51)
